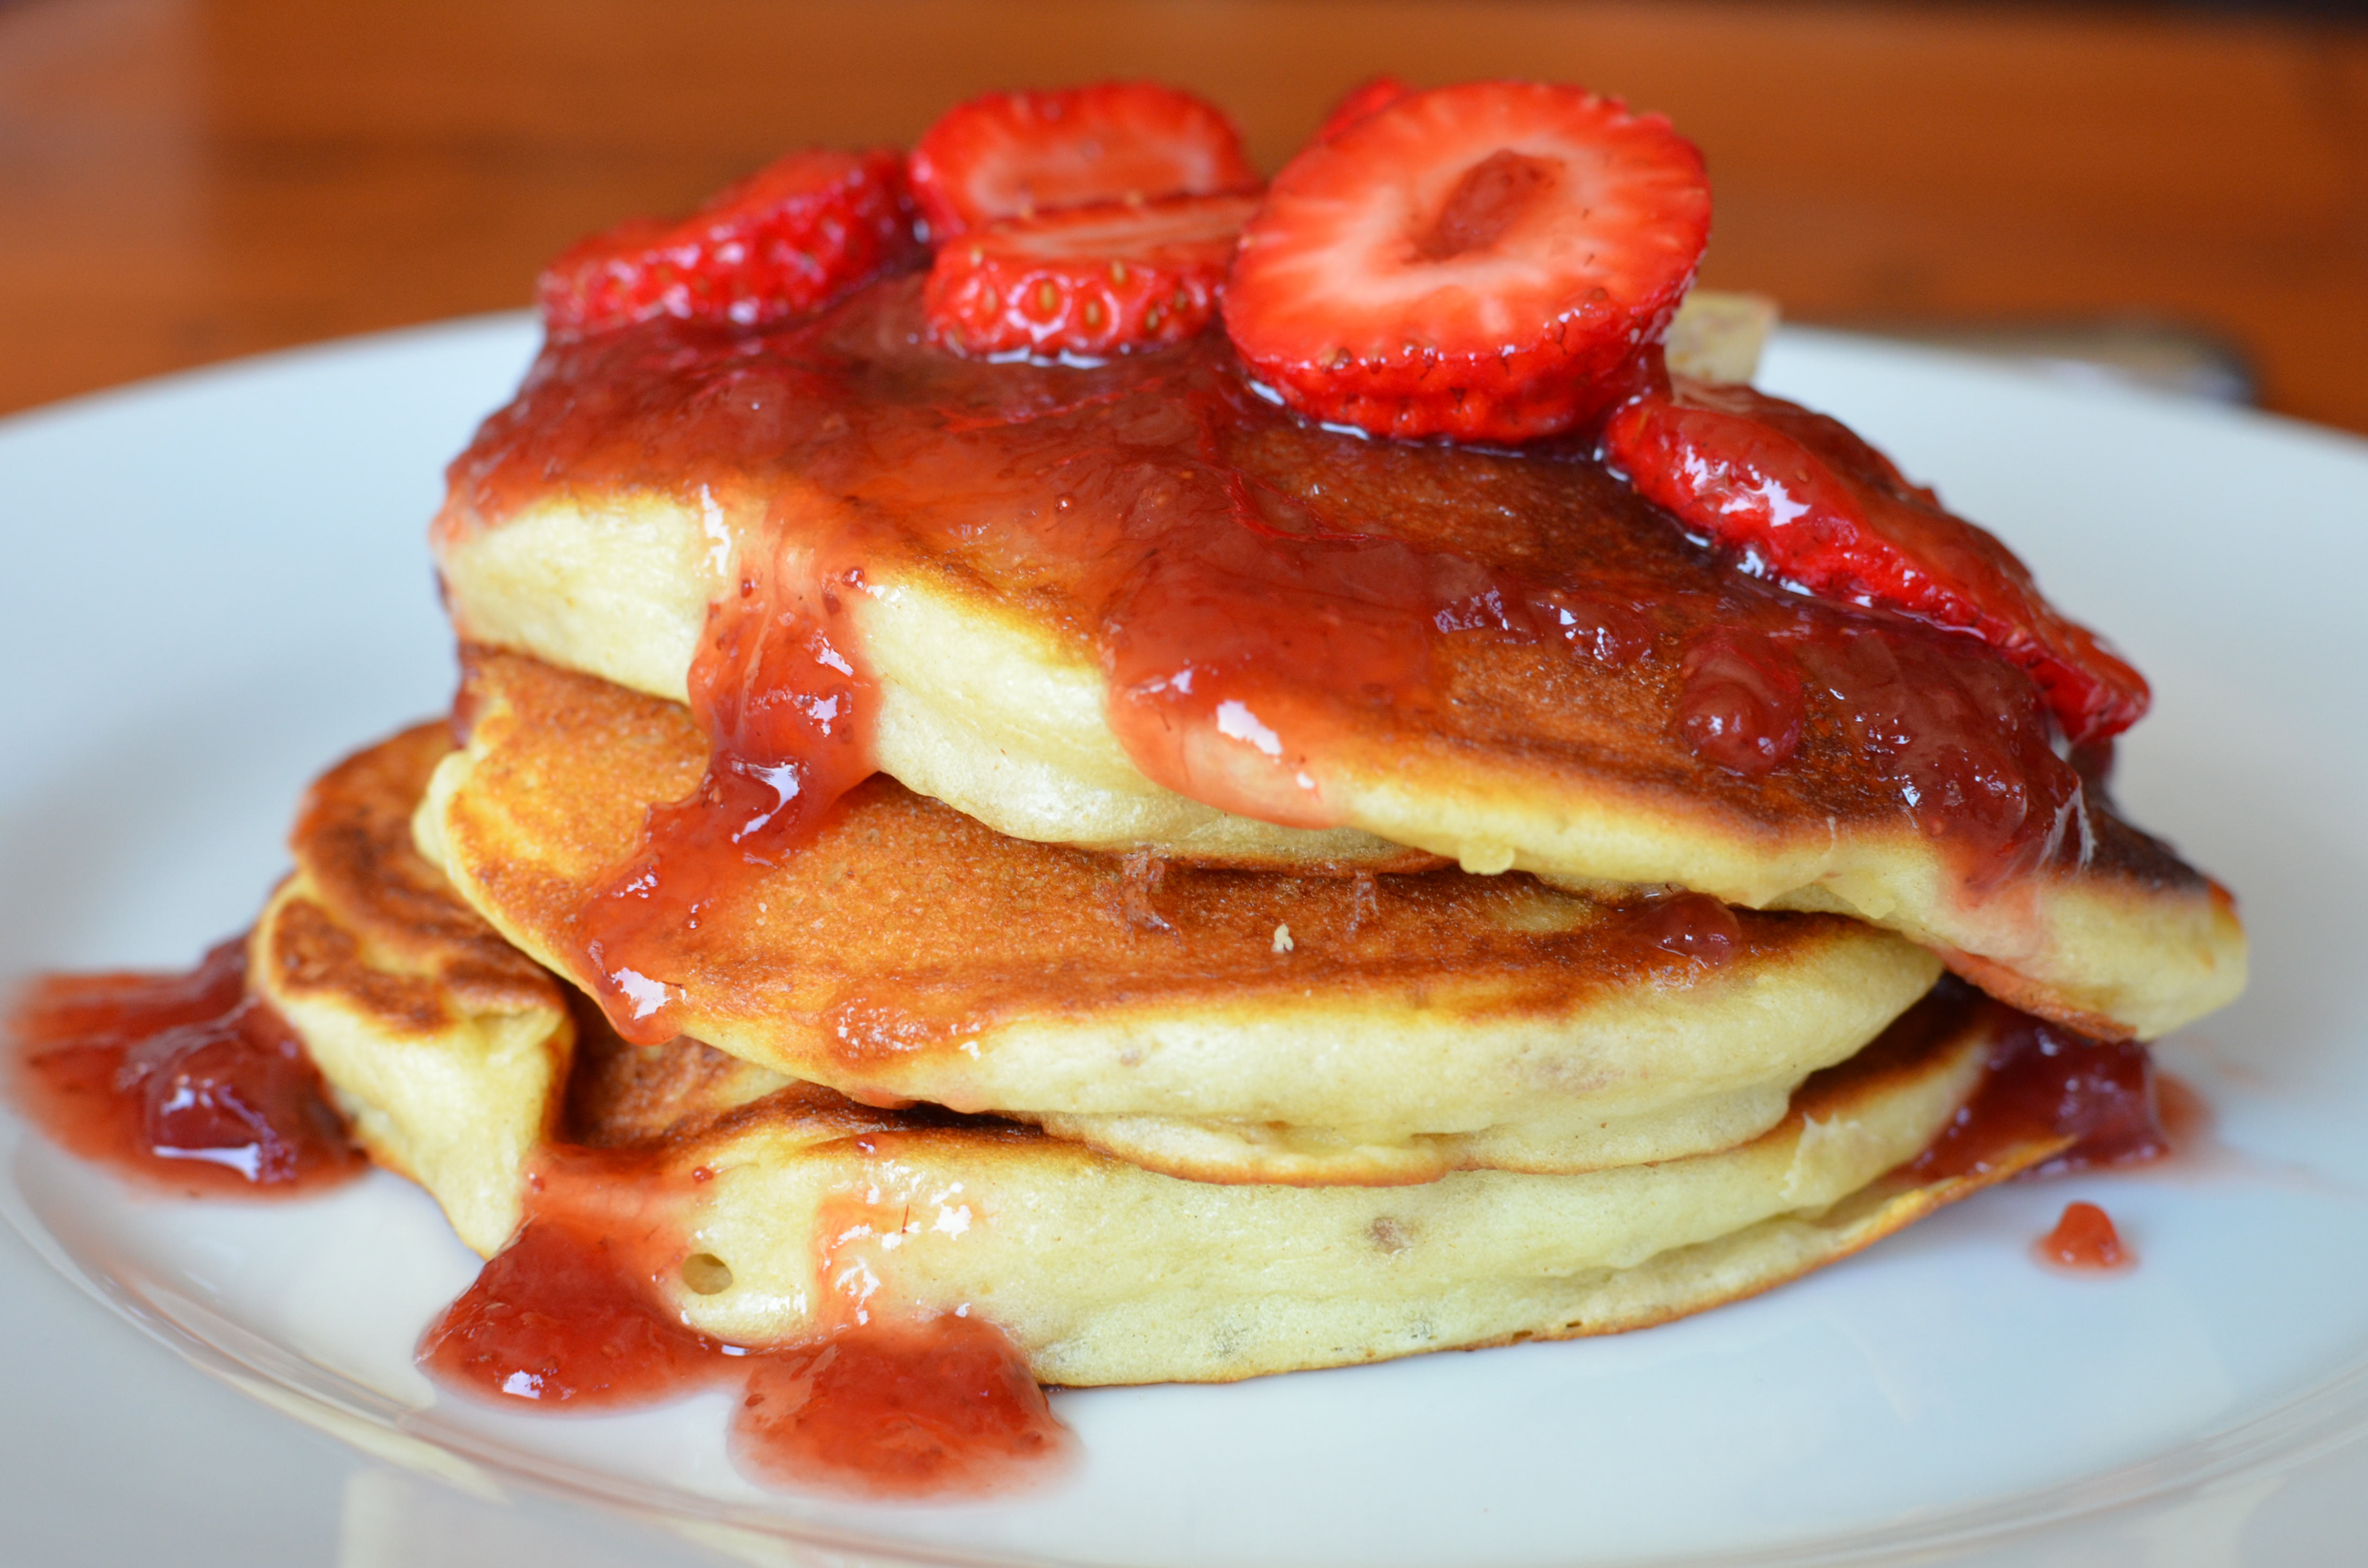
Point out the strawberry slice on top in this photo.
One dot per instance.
(786, 240)
(1087, 281)
(1478, 262)
(1014, 155)
(1808, 503)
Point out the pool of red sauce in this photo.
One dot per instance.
(570, 1317)
(1248, 622)
(2186, 1115)
(181, 1081)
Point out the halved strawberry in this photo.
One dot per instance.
(1013, 155)
(785, 240)
(1087, 281)
(1370, 96)
(1475, 261)
(1814, 506)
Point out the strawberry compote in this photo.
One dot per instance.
(572, 1316)
(2084, 1238)
(184, 1081)
(1278, 609)
(788, 715)
(2094, 1100)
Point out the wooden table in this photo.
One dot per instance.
(183, 180)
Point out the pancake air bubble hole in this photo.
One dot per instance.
(706, 1274)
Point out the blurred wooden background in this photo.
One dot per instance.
(183, 180)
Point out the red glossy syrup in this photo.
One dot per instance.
(1271, 602)
(938, 1408)
(1966, 743)
(1742, 702)
(2046, 1082)
(559, 1318)
(571, 1316)
(180, 1080)
(1237, 595)
(1693, 926)
(789, 718)
(2084, 1238)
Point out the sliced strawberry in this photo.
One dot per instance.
(1012, 155)
(1814, 506)
(1476, 261)
(1093, 281)
(1369, 96)
(787, 239)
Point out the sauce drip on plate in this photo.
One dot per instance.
(180, 1080)
(2085, 1239)
(571, 1315)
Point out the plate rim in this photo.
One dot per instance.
(2265, 1440)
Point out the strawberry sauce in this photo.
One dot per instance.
(1693, 926)
(2084, 1239)
(1278, 609)
(939, 1408)
(2047, 1083)
(788, 717)
(573, 1315)
(181, 1081)
(558, 1319)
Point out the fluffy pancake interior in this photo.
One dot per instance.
(1224, 1025)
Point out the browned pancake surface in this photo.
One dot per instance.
(908, 925)
(1226, 1025)
(365, 886)
(441, 1043)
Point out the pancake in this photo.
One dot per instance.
(795, 1212)
(1223, 1025)
(443, 1047)
(1136, 607)
(1719, 337)
(774, 1212)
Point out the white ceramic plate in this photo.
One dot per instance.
(218, 583)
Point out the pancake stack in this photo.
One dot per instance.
(1166, 1093)
(1065, 840)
